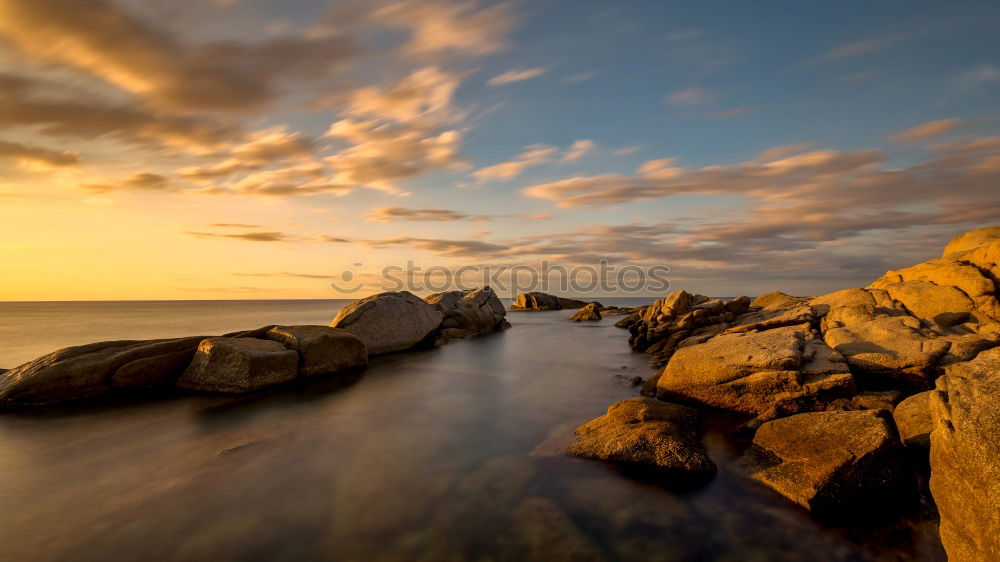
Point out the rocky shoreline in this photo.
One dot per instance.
(846, 399)
(845, 393)
(254, 359)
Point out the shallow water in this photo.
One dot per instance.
(427, 456)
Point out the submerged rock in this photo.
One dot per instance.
(237, 365)
(913, 420)
(468, 313)
(965, 457)
(642, 433)
(751, 371)
(387, 322)
(590, 313)
(321, 350)
(95, 369)
(544, 301)
(834, 464)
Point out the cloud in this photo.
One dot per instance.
(533, 155)
(957, 172)
(863, 47)
(381, 155)
(423, 98)
(626, 150)
(450, 27)
(29, 102)
(115, 45)
(267, 236)
(140, 181)
(396, 214)
(515, 76)
(927, 130)
(578, 150)
(735, 112)
(35, 155)
(690, 96)
(581, 77)
(441, 247)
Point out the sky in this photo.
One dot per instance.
(249, 149)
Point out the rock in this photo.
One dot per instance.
(777, 299)
(913, 420)
(468, 313)
(91, 370)
(866, 400)
(544, 533)
(636, 381)
(965, 457)
(237, 365)
(643, 433)
(632, 318)
(835, 464)
(590, 313)
(545, 301)
(389, 322)
(972, 240)
(750, 372)
(321, 350)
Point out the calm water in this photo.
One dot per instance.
(428, 456)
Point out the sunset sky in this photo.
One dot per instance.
(258, 149)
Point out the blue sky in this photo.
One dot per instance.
(253, 149)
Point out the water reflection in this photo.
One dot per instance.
(425, 457)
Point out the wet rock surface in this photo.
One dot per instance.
(589, 313)
(468, 313)
(389, 322)
(641, 433)
(237, 365)
(834, 464)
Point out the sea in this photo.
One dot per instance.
(446, 454)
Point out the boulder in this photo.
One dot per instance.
(835, 464)
(777, 299)
(913, 420)
(972, 240)
(321, 350)
(94, 369)
(590, 313)
(237, 365)
(387, 322)
(468, 313)
(646, 434)
(544, 301)
(965, 457)
(751, 371)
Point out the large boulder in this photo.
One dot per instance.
(589, 313)
(835, 464)
(237, 365)
(965, 457)
(751, 371)
(387, 322)
(322, 350)
(913, 420)
(91, 370)
(468, 313)
(544, 301)
(646, 434)
(972, 240)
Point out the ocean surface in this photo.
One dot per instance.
(444, 454)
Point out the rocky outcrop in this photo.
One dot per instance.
(388, 322)
(834, 464)
(468, 313)
(642, 433)
(544, 301)
(321, 350)
(95, 369)
(589, 313)
(237, 365)
(913, 420)
(965, 457)
(972, 240)
(751, 371)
